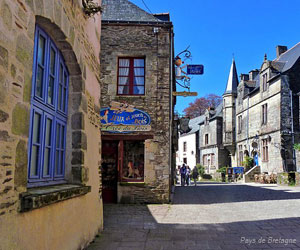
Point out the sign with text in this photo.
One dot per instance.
(238, 170)
(124, 118)
(195, 69)
(185, 93)
(125, 128)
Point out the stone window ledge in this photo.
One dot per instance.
(43, 196)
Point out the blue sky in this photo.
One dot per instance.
(217, 29)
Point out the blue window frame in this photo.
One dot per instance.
(48, 118)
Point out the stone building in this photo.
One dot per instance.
(212, 153)
(259, 117)
(49, 134)
(137, 104)
(267, 113)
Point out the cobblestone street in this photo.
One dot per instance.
(209, 216)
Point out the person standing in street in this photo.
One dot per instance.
(188, 176)
(195, 175)
(183, 174)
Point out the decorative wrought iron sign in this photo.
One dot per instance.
(124, 118)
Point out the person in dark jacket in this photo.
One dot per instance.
(183, 174)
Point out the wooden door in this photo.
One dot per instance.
(109, 169)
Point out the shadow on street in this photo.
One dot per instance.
(212, 192)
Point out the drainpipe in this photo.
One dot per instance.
(292, 127)
(248, 125)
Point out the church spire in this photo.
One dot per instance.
(233, 80)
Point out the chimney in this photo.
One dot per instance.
(280, 49)
(252, 74)
(244, 77)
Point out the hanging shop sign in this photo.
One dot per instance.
(124, 118)
(195, 69)
(185, 93)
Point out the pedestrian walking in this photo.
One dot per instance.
(195, 175)
(183, 174)
(188, 176)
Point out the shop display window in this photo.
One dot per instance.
(133, 161)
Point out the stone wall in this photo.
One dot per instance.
(78, 39)
(287, 140)
(137, 40)
(229, 115)
(250, 109)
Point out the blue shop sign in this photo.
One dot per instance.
(238, 170)
(124, 118)
(195, 69)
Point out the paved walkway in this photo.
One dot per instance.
(209, 216)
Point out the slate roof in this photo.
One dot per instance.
(282, 64)
(233, 80)
(125, 11)
(287, 59)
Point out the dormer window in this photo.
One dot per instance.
(264, 82)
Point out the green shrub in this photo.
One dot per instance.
(297, 146)
(248, 162)
(222, 170)
(201, 169)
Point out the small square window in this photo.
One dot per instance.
(131, 76)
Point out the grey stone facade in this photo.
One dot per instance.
(259, 116)
(266, 109)
(212, 154)
(280, 131)
(142, 35)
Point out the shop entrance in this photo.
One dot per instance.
(109, 171)
(123, 159)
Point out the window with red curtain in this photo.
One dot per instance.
(131, 76)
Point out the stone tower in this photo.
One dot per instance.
(229, 98)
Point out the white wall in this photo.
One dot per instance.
(190, 153)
